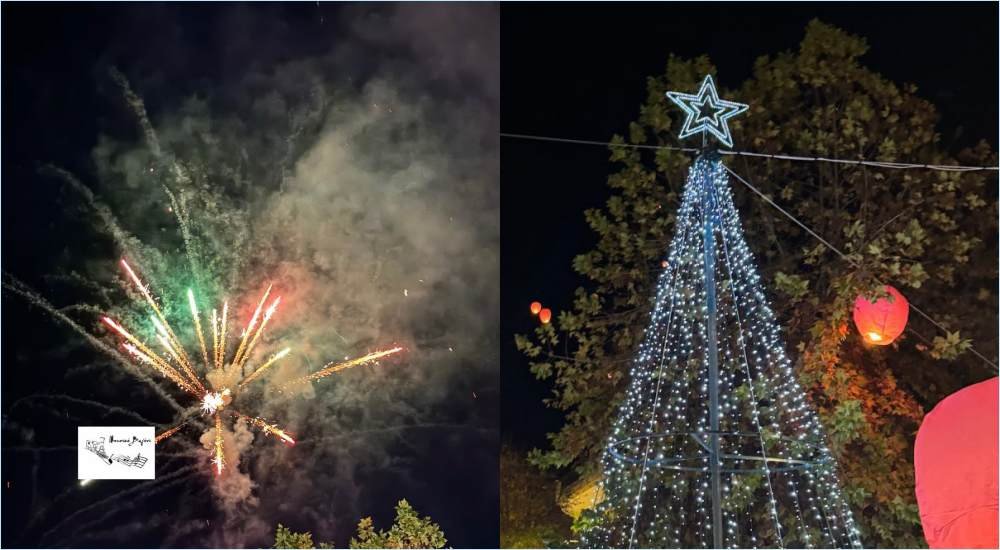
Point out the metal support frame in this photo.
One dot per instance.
(695, 462)
(715, 466)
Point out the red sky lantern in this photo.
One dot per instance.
(955, 462)
(545, 315)
(881, 322)
(536, 307)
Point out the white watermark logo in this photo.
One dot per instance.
(115, 452)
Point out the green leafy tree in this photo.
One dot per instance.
(931, 234)
(529, 515)
(408, 531)
(286, 538)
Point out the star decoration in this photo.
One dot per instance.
(706, 112)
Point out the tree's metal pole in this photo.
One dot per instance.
(708, 220)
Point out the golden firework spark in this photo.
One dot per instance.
(250, 327)
(214, 401)
(333, 367)
(269, 429)
(219, 460)
(215, 338)
(274, 359)
(168, 433)
(197, 326)
(222, 335)
(171, 337)
(260, 329)
(139, 350)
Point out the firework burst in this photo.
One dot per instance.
(176, 365)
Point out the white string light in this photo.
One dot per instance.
(718, 342)
(656, 468)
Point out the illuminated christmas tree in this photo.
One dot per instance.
(715, 445)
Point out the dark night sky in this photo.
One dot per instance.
(565, 70)
(57, 100)
(578, 71)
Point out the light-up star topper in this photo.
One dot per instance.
(706, 112)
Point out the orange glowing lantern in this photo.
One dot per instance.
(536, 307)
(545, 315)
(881, 322)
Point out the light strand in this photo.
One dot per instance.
(655, 491)
(746, 363)
(855, 162)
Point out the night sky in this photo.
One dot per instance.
(562, 70)
(418, 181)
(579, 72)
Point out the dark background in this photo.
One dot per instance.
(579, 71)
(57, 100)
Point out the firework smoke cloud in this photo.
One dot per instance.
(359, 182)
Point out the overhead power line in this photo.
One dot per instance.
(844, 256)
(856, 162)
(878, 164)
